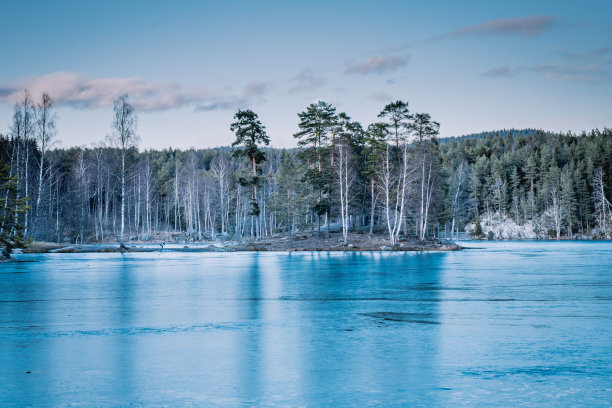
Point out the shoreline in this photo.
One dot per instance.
(305, 243)
(280, 244)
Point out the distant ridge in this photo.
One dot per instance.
(503, 133)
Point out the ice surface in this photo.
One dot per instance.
(502, 324)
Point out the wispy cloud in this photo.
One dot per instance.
(502, 71)
(602, 51)
(257, 89)
(306, 81)
(377, 65)
(380, 96)
(553, 71)
(584, 55)
(583, 73)
(222, 103)
(75, 90)
(251, 93)
(531, 26)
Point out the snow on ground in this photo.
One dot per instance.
(503, 227)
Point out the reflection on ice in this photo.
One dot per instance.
(503, 323)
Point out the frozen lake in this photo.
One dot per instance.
(503, 324)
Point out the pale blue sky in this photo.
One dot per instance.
(189, 65)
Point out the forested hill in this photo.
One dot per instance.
(493, 133)
(393, 178)
(559, 183)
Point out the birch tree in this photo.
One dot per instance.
(458, 186)
(124, 137)
(221, 170)
(344, 168)
(398, 120)
(602, 205)
(425, 129)
(45, 132)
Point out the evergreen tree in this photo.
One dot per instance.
(374, 151)
(250, 133)
(425, 130)
(398, 116)
(12, 209)
(315, 125)
(568, 200)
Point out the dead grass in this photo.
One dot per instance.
(41, 247)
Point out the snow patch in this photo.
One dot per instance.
(500, 226)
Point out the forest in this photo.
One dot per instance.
(394, 178)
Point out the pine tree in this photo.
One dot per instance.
(315, 124)
(515, 184)
(374, 151)
(568, 200)
(250, 133)
(531, 169)
(426, 130)
(478, 232)
(397, 115)
(12, 207)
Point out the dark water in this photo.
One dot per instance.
(524, 324)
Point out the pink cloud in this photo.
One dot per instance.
(76, 90)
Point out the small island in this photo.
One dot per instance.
(394, 184)
(300, 242)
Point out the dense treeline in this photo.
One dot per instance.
(392, 177)
(559, 183)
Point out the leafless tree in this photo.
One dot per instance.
(602, 205)
(124, 137)
(45, 132)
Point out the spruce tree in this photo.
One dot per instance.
(12, 207)
(568, 200)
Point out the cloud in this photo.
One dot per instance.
(380, 96)
(222, 103)
(553, 71)
(306, 81)
(253, 91)
(584, 55)
(531, 26)
(583, 73)
(502, 71)
(75, 90)
(378, 65)
(601, 51)
(257, 89)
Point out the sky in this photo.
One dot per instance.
(188, 66)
